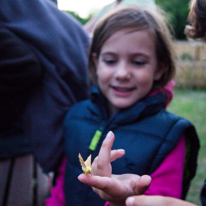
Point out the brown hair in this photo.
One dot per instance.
(197, 17)
(135, 19)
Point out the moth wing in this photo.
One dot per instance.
(88, 161)
(82, 162)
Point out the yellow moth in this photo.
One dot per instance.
(86, 166)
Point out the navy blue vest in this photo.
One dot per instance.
(146, 131)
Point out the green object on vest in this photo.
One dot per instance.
(95, 140)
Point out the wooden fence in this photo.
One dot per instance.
(191, 64)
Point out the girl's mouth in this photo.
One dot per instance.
(122, 91)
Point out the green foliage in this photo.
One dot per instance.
(177, 11)
(80, 19)
(186, 56)
(191, 104)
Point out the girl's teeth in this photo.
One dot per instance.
(122, 89)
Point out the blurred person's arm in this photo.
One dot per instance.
(20, 74)
(145, 200)
(20, 68)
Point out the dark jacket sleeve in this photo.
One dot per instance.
(61, 45)
(20, 72)
(19, 67)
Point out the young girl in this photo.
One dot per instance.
(130, 63)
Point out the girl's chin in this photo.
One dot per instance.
(122, 105)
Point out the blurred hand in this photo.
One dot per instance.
(113, 188)
(156, 201)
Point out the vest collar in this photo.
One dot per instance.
(148, 106)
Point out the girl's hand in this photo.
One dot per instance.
(113, 188)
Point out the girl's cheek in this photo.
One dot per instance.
(104, 75)
(145, 78)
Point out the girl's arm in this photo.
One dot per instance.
(167, 179)
(57, 197)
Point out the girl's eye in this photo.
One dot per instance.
(138, 63)
(110, 61)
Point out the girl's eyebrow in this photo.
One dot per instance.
(132, 54)
(140, 55)
(108, 52)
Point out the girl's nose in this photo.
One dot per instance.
(122, 72)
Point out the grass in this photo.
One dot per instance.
(191, 105)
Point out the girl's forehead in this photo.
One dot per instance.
(130, 35)
(132, 42)
(126, 31)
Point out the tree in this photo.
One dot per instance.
(177, 11)
(80, 19)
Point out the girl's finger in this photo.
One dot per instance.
(142, 184)
(103, 161)
(95, 181)
(101, 184)
(115, 154)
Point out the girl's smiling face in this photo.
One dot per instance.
(127, 67)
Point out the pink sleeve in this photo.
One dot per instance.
(57, 197)
(167, 179)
